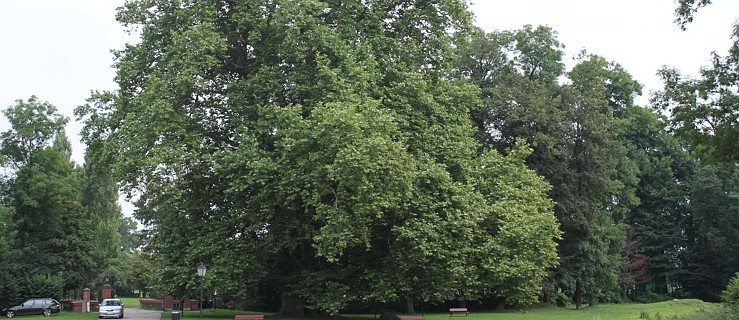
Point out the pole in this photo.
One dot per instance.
(201, 298)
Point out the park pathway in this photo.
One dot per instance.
(141, 314)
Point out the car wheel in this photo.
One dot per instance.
(47, 312)
(10, 314)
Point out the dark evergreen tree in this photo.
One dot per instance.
(711, 256)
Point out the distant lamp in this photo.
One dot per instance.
(201, 272)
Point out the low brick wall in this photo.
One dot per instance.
(151, 304)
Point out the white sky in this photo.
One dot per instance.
(59, 50)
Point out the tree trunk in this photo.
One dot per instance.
(578, 294)
(291, 305)
(409, 305)
(500, 306)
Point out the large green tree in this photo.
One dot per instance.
(573, 129)
(319, 151)
(656, 237)
(45, 191)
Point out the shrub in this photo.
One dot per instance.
(42, 285)
(9, 290)
(730, 296)
(652, 297)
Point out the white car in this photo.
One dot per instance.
(111, 308)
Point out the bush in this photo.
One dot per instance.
(730, 297)
(42, 285)
(9, 290)
(651, 297)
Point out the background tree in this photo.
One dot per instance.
(51, 240)
(9, 289)
(710, 257)
(573, 131)
(33, 126)
(657, 222)
(686, 9)
(705, 110)
(100, 199)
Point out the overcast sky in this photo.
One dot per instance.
(59, 50)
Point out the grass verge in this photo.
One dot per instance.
(675, 309)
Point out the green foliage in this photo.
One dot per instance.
(322, 150)
(730, 296)
(686, 9)
(46, 229)
(100, 199)
(33, 124)
(138, 271)
(52, 230)
(10, 291)
(520, 212)
(656, 233)
(42, 285)
(704, 110)
(7, 233)
(711, 257)
(573, 130)
(131, 240)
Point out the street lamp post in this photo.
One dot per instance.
(201, 272)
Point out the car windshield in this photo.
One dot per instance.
(109, 303)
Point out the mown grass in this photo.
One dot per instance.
(130, 302)
(675, 309)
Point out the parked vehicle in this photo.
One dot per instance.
(111, 308)
(44, 306)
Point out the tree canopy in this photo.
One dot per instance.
(321, 149)
(324, 156)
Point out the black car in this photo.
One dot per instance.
(44, 306)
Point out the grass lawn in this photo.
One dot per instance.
(676, 309)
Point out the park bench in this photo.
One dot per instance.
(458, 310)
(249, 317)
(411, 318)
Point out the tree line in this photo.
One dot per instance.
(62, 229)
(325, 155)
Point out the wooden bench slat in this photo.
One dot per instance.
(458, 310)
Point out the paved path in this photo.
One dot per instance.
(141, 314)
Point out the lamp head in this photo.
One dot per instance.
(201, 269)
